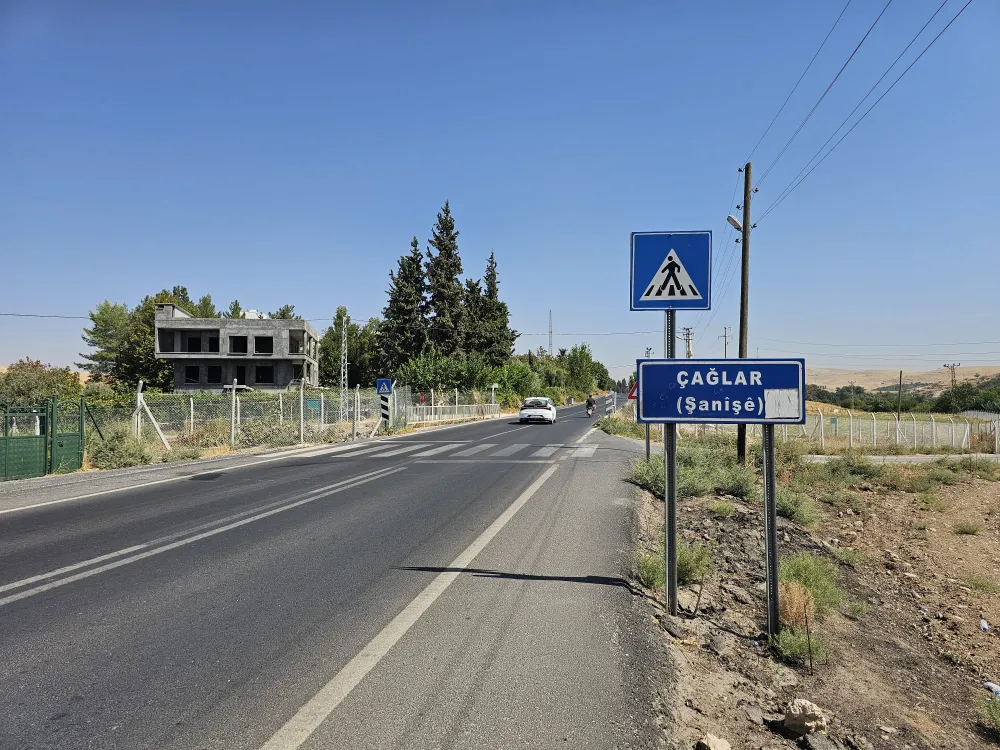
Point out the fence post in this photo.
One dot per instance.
(996, 439)
(239, 412)
(933, 432)
(51, 438)
(138, 411)
(302, 411)
(850, 429)
(281, 408)
(192, 415)
(432, 401)
(967, 439)
(322, 411)
(83, 428)
(952, 431)
(913, 418)
(354, 418)
(456, 404)
(874, 431)
(232, 418)
(822, 432)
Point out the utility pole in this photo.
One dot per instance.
(725, 341)
(954, 381)
(552, 351)
(343, 369)
(688, 338)
(741, 430)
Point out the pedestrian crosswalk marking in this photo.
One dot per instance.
(510, 450)
(585, 451)
(475, 449)
(548, 450)
(405, 449)
(671, 281)
(438, 449)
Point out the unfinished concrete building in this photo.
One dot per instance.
(208, 354)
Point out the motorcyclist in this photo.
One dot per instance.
(591, 403)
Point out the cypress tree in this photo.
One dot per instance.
(403, 331)
(445, 292)
(499, 338)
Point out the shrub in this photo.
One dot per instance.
(967, 528)
(795, 604)
(931, 501)
(691, 483)
(722, 509)
(206, 435)
(648, 475)
(738, 481)
(989, 715)
(650, 569)
(692, 561)
(792, 646)
(817, 575)
(797, 507)
(857, 610)
(623, 427)
(982, 585)
(119, 449)
(851, 557)
(180, 454)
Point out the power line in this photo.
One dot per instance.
(782, 107)
(36, 315)
(822, 97)
(863, 100)
(890, 356)
(860, 119)
(818, 343)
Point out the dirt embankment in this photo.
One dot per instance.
(905, 659)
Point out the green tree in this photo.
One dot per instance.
(285, 312)
(109, 326)
(403, 331)
(234, 311)
(136, 359)
(498, 337)
(580, 368)
(206, 308)
(445, 292)
(363, 355)
(28, 382)
(474, 326)
(182, 298)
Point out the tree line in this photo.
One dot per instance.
(964, 397)
(437, 330)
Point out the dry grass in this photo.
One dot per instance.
(795, 604)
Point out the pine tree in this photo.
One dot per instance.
(403, 331)
(206, 308)
(234, 311)
(285, 312)
(109, 328)
(499, 338)
(474, 326)
(445, 292)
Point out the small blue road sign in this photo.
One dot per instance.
(383, 386)
(725, 391)
(671, 271)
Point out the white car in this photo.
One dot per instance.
(537, 409)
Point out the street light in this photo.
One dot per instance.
(734, 223)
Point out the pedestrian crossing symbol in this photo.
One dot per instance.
(671, 271)
(383, 386)
(672, 280)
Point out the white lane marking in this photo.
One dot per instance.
(75, 566)
(438, 449)
(483, 461)
(510, 450)
(585, 451)
(587, 434)
(397, 451)
(498, 434)
(308, 718)
(474, 449)
(547, 451)
(214, 470)
(323, 492)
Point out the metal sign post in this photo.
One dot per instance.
(670, 478)
(721, 391)
(383, 386)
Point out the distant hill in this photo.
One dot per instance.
(929, 383)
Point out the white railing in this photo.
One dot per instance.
(415, 414)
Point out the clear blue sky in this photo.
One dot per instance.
(288, 152)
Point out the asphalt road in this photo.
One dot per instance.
(461, 588)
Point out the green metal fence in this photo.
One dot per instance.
(39, 440)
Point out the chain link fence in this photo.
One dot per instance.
(246, 419)
(870, 432)
(421, 407)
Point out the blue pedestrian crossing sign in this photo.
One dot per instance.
(383, 386)
(671, 271)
